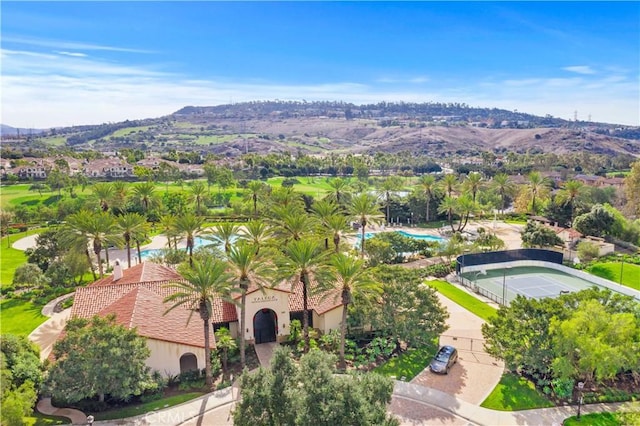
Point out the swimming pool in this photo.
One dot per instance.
(422, 237)
(197, 242)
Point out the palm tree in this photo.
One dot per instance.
(145, 195)
(104, 192)
(132, 225)
(449, 205)
(473, 183)
(387, 187)
(256, 190)
(337, 226)
(223, 234)
(293, 223)
(351, 277)
(537, 188)
(323, 209)
(246, 268)
(427, 186)
(204, 282)
(74, 234)
(503, 185)
(224, 343)
(257, 233)
(569, 194)
(339, 189)
(465, 206)
(119, 200)
(198, 192)
(168, 227)
(190, 226)
(365, 209)
(449, 183)
(304, 262)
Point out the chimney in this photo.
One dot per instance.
(117, 271)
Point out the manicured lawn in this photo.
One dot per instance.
(408, 364)
(464, 299)
(136, 410)
(515, 393)
(38, 419)
(611, 271)
(595, 419)
(10, 259)
(20, 317)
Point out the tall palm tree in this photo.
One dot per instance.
(338, 190)
(449, 206)
(198, 192)
(204, 282)
(386, 189)
(145, 195)
(351, 277)
(256, 190)
(304, 262)
(190, 226)
(104, 192)
(223, 234)
(257, 233)
(323, 209)
(246, 268)
(168, 227)
(120, 194)
(537, 188)
(131, 225)
(503, 185)
(337, 226)
(75, 234)
(427, 186)
(365, 209)
(293, 223)
(569, 194)
(449, 183)
(465, 206)
(472, 184)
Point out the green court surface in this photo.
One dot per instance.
(529, 281)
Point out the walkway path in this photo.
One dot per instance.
(47, 333)
(264, 351)
(77, 417)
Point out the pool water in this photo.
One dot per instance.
(422, 237)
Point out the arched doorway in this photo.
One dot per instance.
(188, 362)
(265, 326)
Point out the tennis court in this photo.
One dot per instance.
(529, 281)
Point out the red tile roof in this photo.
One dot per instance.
(140, 304)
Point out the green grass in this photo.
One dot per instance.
(464, 299)
(38, 419)
(595, 419)
(128, 130)
(10, 258)
(19, 317)
(136, 410)
(611, 271)
(408, 365)
(515, 393)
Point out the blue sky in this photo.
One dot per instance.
(66, 63)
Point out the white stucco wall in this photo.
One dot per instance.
(165, 356)
(278, 301)
(332, 319)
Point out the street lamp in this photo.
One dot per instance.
(580, 387)
(621, 266)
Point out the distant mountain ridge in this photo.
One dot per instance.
(432, 129)
(6, 130)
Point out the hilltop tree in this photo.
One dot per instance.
(632, 189)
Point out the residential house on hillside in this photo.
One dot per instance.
(136, 295)
(108, 168)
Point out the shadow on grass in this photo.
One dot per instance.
(20, 317)
(515, 393)
(408, 364)
(603, 272)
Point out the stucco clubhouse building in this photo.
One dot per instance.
(136, 295)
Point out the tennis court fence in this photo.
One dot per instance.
(481, 290)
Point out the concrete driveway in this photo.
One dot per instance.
(476, 373)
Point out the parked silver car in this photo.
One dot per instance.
(444, 360)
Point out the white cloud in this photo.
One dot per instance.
(68, 45)
(42, 90)
(75, 54)
(580, 69)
